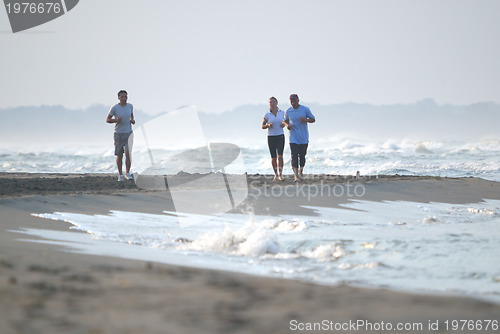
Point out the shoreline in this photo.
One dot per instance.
(49, 289)
(322, 190)
(20, 184)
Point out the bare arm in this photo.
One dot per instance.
(287, 124)
(266, 125)
(307, 120)
(110, 119)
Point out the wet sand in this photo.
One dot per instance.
(48, 289)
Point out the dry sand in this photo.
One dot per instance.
(46, 289)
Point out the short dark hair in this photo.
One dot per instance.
(122, 91)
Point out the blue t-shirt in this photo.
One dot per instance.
(124, 112)
(299, 133)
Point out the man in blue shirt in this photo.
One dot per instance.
(296, 119)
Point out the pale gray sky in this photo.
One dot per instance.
(219, 54)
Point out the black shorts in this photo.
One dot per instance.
(276, 145)
(299, 152)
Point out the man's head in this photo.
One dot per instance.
(294, 101)
(122, 96)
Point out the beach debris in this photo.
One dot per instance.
(400, 223)
(183, 240)
(83, 278)
(47, 270)
(429, 220)
(6, 264)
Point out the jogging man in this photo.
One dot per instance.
(122, 114)
(296, 119)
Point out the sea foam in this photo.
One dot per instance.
(401, 245)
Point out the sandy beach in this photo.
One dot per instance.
(48, 289)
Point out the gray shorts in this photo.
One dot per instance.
(121, 142)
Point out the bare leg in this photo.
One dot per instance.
(296, 173)
(119, 162)
(128, 161)
(275, 168)
(280, 167)
(301, 173)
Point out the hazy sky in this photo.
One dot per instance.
(219, 54)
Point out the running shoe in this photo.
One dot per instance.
(121, 178)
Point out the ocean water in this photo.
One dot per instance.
(338, 157)
(431, 248)
(425, 248)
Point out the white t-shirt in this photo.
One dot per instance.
(276, 121)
